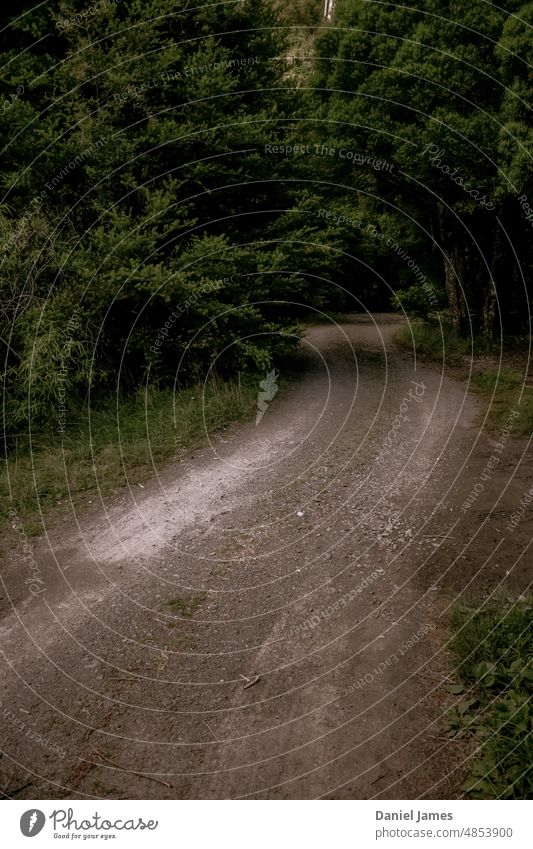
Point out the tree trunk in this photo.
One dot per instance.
(453, 266)
(489, 310)
(489, 294)
(452, 284)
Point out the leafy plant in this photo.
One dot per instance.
(494, 649)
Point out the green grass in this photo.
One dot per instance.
(493, 648)
(504, 389)
(502, 380)
(117, 444)
(433, 342)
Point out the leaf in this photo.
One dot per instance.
(455, 689)
(465, 706)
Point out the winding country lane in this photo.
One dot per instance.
(268, 617)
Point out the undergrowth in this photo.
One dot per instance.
(120, 442)
(493, 647)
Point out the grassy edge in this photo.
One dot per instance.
(435, 343)
(492, 645)
(122, 442)
(505, 388)
(493, 649)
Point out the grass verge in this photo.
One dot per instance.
(506, 390)
(119, 443)
(505, 387)
(493, 647)
(432, 342)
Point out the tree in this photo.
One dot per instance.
(431, 87)
(143, 136)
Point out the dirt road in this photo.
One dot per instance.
(267, 618)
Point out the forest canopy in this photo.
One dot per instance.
(184, 188)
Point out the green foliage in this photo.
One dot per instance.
(118, 442)
(300, 13)
(503, 380)
(439, 91)
(494, 650)
(141, 194)
(507, 390)
(413, 301)
(138, 195)
(504, 388)
(439, 343)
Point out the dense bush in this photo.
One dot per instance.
(147, 234)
